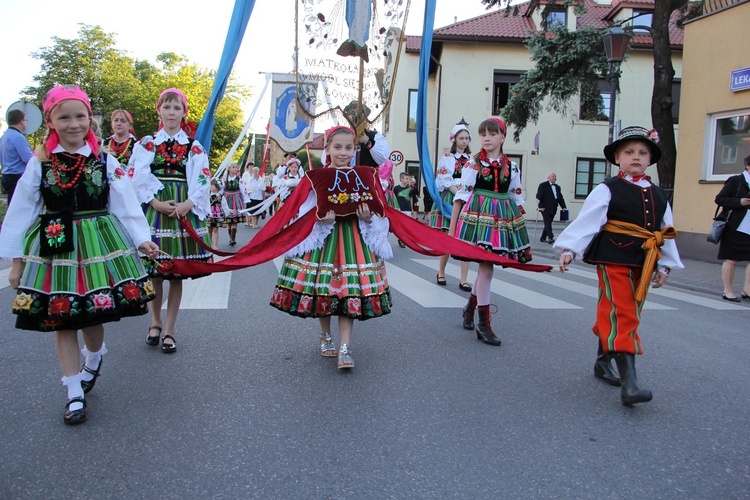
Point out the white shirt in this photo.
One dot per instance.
(579, 233)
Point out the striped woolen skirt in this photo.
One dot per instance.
(342, 278)
(169, 235)
(101, 280)
(235, 203)
(437, 219)
(494, 222)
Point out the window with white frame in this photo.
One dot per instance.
(728, 144)
(557, 17)
(590, 172)
(602, 114)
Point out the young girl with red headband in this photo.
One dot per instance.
(338, 269)
(71, 235)
(488, 212)
(171, 176)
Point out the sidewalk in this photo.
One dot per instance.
(698, 275)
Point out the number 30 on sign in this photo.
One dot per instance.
(397, 157)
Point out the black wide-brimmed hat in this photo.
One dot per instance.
(650, 137)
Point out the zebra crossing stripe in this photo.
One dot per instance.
(573, 286)
(209, 292)
(671, 293)
(515, 293)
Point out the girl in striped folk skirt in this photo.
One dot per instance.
(447, 179)
(171, 177)
(490, 205)
(75, 266)
(338, 270)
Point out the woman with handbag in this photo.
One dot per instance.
(734, 245)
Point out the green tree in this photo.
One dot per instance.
(114, 80)
(587, 62)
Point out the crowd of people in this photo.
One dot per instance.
(94, 226)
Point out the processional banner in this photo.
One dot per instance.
(347, 55)
(292, 122)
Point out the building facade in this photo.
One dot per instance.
(715, 116)
(477, 61)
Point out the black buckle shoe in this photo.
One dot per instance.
(75, 417)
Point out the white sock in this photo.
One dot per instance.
(74, 390)
(92, 361)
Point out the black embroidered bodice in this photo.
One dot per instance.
(90, 191)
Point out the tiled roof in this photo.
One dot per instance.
(491, 27)
(413, 44)
(495, 26)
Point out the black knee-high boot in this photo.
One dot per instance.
(630, 394)
(233, 236)
(484, 331)
(603, 367)
(468, 312)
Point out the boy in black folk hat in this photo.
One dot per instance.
(625, 230)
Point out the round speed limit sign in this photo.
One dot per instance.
(397, 157)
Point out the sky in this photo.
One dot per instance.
(192, 29)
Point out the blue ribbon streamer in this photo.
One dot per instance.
(428, 171)
(235, 34)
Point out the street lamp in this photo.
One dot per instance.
(616, 42)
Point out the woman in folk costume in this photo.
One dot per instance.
(171, 178)
(621, 228)
(120, 144)
(489, 202)
(448, 179)
(338, 269)
(75, 266)
(233, 188)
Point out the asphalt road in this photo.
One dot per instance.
(247, 408)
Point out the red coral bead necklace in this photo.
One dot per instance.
(77, 166)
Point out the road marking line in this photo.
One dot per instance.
(209, 292)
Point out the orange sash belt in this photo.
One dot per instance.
(652, 246)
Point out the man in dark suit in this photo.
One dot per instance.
(550, 196)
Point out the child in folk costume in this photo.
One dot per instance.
(171, 177)
(290, 178)
(120, 143)
(338, 269)
(215, 218)
(620, 229)
(233, 189)
(76, 267)
(448, 179)
(489, 203)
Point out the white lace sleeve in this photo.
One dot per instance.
(198, 179)
(444, 177)
(515, 192)
(139, 167)
(375, 234)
